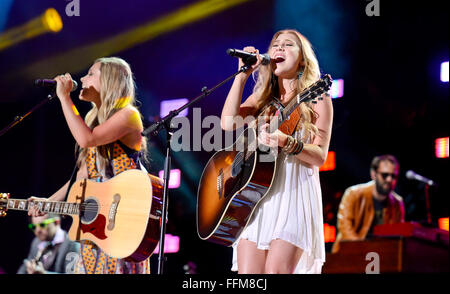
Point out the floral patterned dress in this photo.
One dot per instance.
(92, 259)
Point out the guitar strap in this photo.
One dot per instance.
(289, 126)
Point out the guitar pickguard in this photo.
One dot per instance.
(96, 228)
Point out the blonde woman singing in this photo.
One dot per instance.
(285, 233)
(109, 142)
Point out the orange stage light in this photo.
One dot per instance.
(443, 223)
(330, 233)
(330, 163)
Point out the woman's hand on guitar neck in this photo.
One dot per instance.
(34, 211)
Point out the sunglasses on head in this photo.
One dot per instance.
(385, 175)
(42, 224)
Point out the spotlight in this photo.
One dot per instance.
(167, 105)
(330, 162)
(174, 178)
(49, 21)
(441, 147)
(444, 72)
(337, 89)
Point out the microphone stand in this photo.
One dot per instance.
(19, 118)
(427, 202)
(165, 123)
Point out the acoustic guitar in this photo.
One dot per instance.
(238, 177)
(121, 215)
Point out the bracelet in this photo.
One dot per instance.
(288, 144)
(294, 147)
(299, 148)
(287, 148)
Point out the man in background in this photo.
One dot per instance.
(366, 205)
(49, 248)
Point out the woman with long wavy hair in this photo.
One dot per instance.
(285, 232)
(109, 141)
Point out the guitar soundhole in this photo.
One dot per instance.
(89, 211)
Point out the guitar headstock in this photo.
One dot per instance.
(314, 92)
(3, 203)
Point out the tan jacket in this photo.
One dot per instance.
(356, 212)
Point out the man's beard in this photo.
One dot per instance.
(381, 190)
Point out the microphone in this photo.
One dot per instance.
(249, 58)
(413, 176)
(47, 83)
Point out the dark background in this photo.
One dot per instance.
(394, 101)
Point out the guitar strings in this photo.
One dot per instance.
(84, 210)
(81, 207)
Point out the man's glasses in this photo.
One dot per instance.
(42, 224)
(385, 175)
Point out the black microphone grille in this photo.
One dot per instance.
(75, 85)
(231, 52)
(265, 59)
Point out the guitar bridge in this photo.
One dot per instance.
(220, 183)
(112, 212)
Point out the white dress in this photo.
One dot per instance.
(291, 211)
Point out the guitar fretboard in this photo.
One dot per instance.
(57, 207)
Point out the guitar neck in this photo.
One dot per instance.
(276, 121)
(310, 94)
(56, 207)
(286, 112)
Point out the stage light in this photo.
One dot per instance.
(79, 58)
(444, 71)
(441, 147)
(49, 21)
(171, 244)
(337, 88)
(330, 162)
(329, 233)
(443, 223)
(175, 178)
(167, 105)
(52, 21)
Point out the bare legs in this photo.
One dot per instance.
(281, 258)
(251, 260)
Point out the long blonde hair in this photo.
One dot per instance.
(266, 85)
(117, 90)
